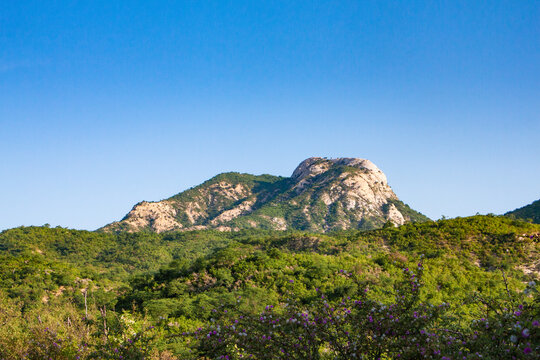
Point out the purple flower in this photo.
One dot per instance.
(527, 350)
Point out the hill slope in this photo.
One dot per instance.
(155, 287)
(528, 212)
(321, 195)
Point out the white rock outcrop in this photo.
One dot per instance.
(321, 195)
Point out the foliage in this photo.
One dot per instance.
(362, 328)
(67, 293)
(529, 212)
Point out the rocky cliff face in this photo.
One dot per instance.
(321, 195)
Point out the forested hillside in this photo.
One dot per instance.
(67, 293)
(529, 212)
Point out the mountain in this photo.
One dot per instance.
(321, 195)
(528, 212)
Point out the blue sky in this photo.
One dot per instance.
(107, 103)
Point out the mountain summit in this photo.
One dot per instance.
(321, 195)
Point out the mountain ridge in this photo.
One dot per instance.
(530, 212)
(321, 195)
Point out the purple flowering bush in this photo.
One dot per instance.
(66, 334)
(362, 328)
(509, 328)
(48, 344)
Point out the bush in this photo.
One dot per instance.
(361, 328)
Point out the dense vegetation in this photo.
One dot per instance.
(67, 294)
(529, 212)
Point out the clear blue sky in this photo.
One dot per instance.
(107, 103)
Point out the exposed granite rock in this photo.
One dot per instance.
(321, 195)
(158, 216)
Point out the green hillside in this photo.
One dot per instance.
(529, 212)
(143, 290)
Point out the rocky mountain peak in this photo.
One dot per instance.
(321, 195)
(314, 166)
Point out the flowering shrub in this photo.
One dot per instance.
(361, 328)
(65, 334)
(131, 339)
(48, 344)
(510, 328)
